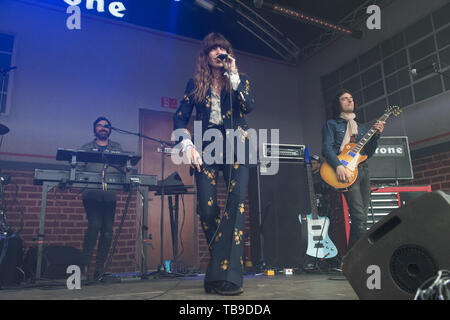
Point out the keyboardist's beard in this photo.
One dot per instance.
(102, 137)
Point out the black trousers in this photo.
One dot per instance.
(224, 232)
(100, 215)
(358, 198)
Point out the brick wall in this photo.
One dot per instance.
(432, 169)
(66, 221)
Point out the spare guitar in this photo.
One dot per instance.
(351, 156)
(319, 244)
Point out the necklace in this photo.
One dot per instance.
(216, 85)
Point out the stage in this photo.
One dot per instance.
(303, 286)
(206, 136)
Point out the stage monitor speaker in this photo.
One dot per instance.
(391, 160)
(403, 250)
(11, 258)
(275, 234)
(55, 260)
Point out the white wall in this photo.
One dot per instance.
(420, 121)
(65, 79)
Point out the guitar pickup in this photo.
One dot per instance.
(318, 245)
(317, 238)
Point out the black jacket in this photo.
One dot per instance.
(333, 133)
(243, 103)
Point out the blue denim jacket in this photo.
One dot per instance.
(333, 133)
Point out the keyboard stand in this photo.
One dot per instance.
(49, 185)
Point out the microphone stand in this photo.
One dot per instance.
(164, 144)
(435, 67)
(436, 70)
(3, 73)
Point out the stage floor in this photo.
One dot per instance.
(303, 286)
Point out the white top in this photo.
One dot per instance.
(216, 112)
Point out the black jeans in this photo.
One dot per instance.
(358, 198)
(224, 232)
(100, 215)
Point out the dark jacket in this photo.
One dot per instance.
(333, 133)
(99, 194)
(243, 103)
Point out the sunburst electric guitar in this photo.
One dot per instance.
(351, 156)
(319, 244)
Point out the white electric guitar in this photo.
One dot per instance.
(319, 244)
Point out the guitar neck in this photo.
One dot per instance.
(369, 134)
(312, 194)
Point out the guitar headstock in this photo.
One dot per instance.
(307, 156)
(393, 111)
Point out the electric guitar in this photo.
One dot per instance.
(319, 244)
(351, 156)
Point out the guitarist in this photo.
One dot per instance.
(336, 133)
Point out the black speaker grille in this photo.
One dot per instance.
(411, 266)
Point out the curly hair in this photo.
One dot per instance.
(336, 103)
(203, 74)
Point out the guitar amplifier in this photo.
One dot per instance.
(275, 201)
(284, 152)
(391, 160)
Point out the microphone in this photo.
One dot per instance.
(415, 72)
(107, 126)
(258, 3)
(222, 56)
(7, 70)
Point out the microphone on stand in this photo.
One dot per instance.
(5, 71)
(416, 72)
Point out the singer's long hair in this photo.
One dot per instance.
(203, 73)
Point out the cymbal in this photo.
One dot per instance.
(3, 129)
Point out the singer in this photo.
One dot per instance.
(221, 97)
(100, 205)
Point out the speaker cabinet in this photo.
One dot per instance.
(401, 251)
(275, 229)
(391, 160)
(382, 202)
(55, 260)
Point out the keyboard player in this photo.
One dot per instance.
(100, 204)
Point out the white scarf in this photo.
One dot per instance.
(352, 127)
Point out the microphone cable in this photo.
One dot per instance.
(230, 165)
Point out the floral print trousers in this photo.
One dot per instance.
(224, 229)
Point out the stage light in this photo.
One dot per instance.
(304, 17)
(206, 4)
(309, 18)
